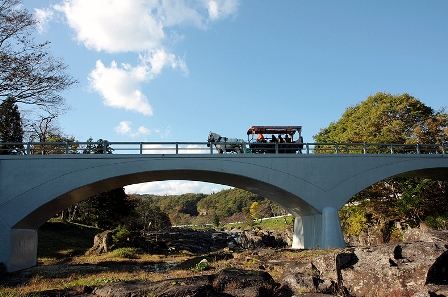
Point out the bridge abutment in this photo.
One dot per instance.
(18, 248)
(318, 231)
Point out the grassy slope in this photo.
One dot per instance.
(59, 240)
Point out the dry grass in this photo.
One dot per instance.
(63, 264)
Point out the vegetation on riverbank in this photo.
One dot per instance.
(63, 262)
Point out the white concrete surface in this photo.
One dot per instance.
(311, 187)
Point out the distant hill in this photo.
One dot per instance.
(226, 206)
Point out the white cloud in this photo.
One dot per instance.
(219, 9)
(114, 25)
(43, 16)
(174, 187)
(163, 133)
(120, 86)
(142, 130)
(140, 27)
(171, 149)
(125, 128)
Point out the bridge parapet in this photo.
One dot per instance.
(50, 148)
(311, 186)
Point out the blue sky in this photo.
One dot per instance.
(175, 70)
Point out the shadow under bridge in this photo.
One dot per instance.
(311, 187)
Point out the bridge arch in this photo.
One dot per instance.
(77, 191)
(312, 187)
(387, 166)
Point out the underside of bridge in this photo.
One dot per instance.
(308, 223)
(312, 188)
(292, 203)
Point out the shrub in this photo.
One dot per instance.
(201, 266)
(437, 222)
(353, 219)
(127, 253)
(122, 236)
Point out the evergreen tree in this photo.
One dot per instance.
(107, 210)
(10, 128)
(99, 147)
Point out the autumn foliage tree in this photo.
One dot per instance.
(29, 74)
(399, 119)
(387, 118)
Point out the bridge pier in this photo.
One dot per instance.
(18, 248)
(318, 231)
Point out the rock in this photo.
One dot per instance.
(303, 277)
(385, 270)
(197, 286)
(102, 243)
(413, 235)
(244, 283)
(405, 269)
(315, 295)
(234, 282)
(259, 239)
(176, 240)
(371, 236)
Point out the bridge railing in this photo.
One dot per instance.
(52, 148)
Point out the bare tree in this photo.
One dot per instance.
(28, 73)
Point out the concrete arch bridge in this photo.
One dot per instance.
(312, 187)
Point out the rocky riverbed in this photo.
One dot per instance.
(418, 266)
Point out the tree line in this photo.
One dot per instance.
(154, 212)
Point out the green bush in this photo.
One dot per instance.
(122, 236)
(201, 266)
(127, 253)
(353, 219)
(437, 222)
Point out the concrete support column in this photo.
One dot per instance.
(5, 238)
(332, 236)
(318, 231)
(18, 248)
(307, 230)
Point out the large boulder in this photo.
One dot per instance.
(102, 243)
(259, 239)
(413, 235)
(228, 282)
(405, 269)
(388, 270)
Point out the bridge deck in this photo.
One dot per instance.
(37, 148)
